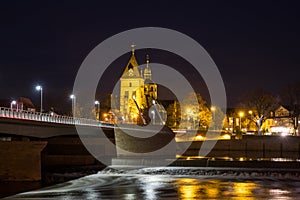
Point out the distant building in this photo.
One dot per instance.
(21, 103)
(280, 121)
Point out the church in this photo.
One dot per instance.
(137, 90)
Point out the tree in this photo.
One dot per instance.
(193, 113)
(290, 97)
(261, 103)
(218, 118)
(173, 115)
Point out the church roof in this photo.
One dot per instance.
(132, 67)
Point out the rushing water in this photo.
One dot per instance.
(172, 183)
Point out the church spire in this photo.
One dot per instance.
(147, 60)
(132, 48)
(147, 71)
(132, 67)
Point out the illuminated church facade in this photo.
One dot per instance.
(137, 90)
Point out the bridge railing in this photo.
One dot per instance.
(48, 117)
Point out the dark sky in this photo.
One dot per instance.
(253, 43)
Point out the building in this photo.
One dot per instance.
(137, 90)
(281, 122)
(21, 103)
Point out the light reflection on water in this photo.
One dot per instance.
(131, 186)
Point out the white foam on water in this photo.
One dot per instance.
(173, 182)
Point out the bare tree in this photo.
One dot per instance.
(261, 103)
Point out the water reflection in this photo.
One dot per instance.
(191, 188)
(188, 188)
(244, 189)
(130, 186)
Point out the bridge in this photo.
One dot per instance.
(30, 140)
(42, 125)
(49, 118)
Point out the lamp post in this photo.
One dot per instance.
(213, 109)
(241, 114)
(97, 103)
(12, 103)
(153, 114)
(73, 97)
(39, 88)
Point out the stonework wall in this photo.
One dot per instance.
(21, 160)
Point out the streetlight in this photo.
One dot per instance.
(241, 114)
(12, 103)
(98, 108)
(39, 88)
(73, 97)
(153, 114)
(213, 109)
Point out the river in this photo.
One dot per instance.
(173, 183)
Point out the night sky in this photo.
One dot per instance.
(253, 44)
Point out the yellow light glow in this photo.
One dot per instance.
(226, 137)
(212, 192)
(188, 110)
(188, 188)
(241, 114)
(199, 137)
(243, 190)
(213, 108)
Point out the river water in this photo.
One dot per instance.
(173, 183)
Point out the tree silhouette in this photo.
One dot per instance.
(261, 103)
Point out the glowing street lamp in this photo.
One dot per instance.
(153, 114)
(39, 88)
(73, 97)
(213, 109)
(12, 103)
(105, 117)
(98, 109)
(241, 114)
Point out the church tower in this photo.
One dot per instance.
(150, 88)
(147, 71)
(131, 89)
